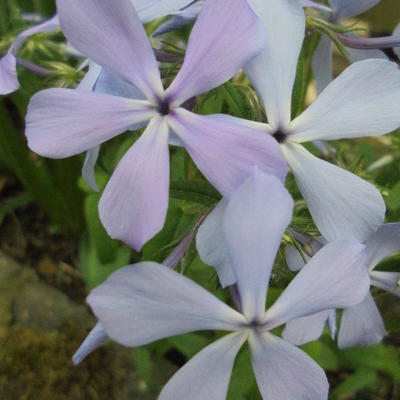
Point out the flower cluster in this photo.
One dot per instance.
(246, 161)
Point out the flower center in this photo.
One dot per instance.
(279, 136)
(163, 107)
(255, 325)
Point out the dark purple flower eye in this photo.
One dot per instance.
(163, 107)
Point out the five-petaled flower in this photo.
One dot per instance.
(362, 324)
(363, 101)
(146, 302)
(123, 91)
(64, 122)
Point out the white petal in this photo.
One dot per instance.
(322, 63)
(335, 277)
(111, 34)
(110, 83)
(383, 243)
(225, 151)
(361, 325)
(145, 302)
(351, 8)
(313, 4)
(102, 81)
(88, 169)
(355, 55)
(225, 37)
(284, 372)
(262, 127)
(273, 72)
(8, 74)
(256, 217)
(180, 18)
(306, 329)
(210, 243)
(389, 281)
(65, 122)
(134, 203)
(96, 338)
(149, 10)
(206, 376)
(172, 24)
(89, 80)
(332, 324)
(342, 204)
(294, 259)
(396, 32)
(362, 101)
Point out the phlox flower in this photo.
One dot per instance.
(64, 122)
(362, 324)
(142, 303)
(147, 10)
(363, 101)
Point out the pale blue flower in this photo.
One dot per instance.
(142, 303)
(362, 324)
(64, 122)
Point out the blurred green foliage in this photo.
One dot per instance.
(360, 373)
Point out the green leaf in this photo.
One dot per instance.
(106, 248)
(189, 344)
(242, 379)
(393, 200)
(93, 270)
(179, 163)
(299, 86)
(362, 378)
(322, 354)
(211, 103)
(200, 192)
(4, 18)
(392, 324)
(16, 202)
(237, 101)
(53, 184)
(144, 364)
(152, 250)
(378, 357)
(180, 220)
